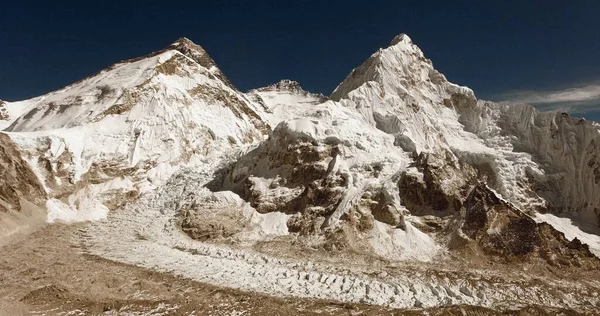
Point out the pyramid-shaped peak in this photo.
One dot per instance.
(401, 38)
(184, 42)
(186, 46)
(402, 60)
(192, 50)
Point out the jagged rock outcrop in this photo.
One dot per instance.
(290, 172)
(507, 234)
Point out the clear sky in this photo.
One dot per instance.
(543, 52)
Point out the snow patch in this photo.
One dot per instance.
(61, 212)
(402, 244)
(267, 225)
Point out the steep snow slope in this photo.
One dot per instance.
(565, 150)
(10, 111)
(128, 127)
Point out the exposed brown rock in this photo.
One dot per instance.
(202, 223)
(18, 180)
(3, 111)
(427, 196)
(384, 210)
(505, 233)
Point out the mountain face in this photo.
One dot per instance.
(398, 164)
(399, 142)
(128, 127)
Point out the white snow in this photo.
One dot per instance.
(14, 110)
(283, 101)
(61, 212)
(403, 244)
(267, 225)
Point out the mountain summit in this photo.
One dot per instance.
(193, 51)
(401, 38)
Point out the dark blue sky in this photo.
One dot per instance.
(511, 50)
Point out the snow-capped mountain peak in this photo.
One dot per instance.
(401, 38)
(142, 116)
(194, 51)
(199, 55)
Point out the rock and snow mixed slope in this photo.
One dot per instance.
(400, 147)
(397, 164)
(127, 128)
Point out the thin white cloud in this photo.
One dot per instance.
(581, 99)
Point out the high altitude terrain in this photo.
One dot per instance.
(400, 190)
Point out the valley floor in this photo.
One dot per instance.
(47, 274)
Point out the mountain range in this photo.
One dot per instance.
(400, 189)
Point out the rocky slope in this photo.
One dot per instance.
(398, 165)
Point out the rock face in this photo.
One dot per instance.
(291, 172)
(18, 180)
(4, 116)
(504, 232)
